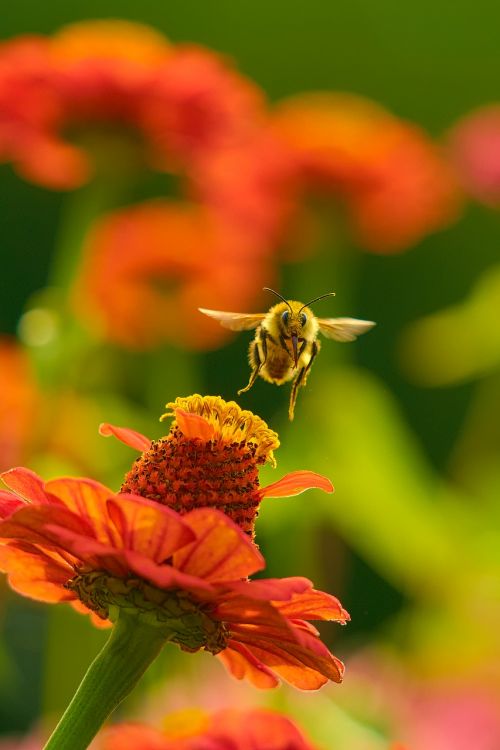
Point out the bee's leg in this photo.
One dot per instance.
(303, 345)
(295, 389)
(301, 379)
(258, 356)
(315, 347)
(283, 344)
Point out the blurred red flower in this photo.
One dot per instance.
(20, 403)
(257, 729)
(149, 267)
(442, 712)
(394, 182)
(200, 104)
(29, 112)
(31, 741)
(252, 185)
(474, 144)
(175, 100)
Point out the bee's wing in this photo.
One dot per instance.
(235, 321)
(344, 329)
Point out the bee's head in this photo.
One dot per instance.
(296, 324)
(295, 320)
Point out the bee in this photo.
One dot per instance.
(286, 340)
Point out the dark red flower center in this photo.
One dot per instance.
(186, 473)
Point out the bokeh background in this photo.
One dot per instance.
(404, 421)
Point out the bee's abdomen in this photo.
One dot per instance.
(278, 368)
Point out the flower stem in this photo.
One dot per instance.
(130, 649)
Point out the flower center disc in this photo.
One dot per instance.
(187, 473)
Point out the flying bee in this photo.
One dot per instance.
(286, 340)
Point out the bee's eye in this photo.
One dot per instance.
(303, 319)
(285, 317)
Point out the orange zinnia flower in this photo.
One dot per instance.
(75, 540)
(394, 181)
(230, 729)
(148, 268)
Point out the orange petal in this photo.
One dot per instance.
(25, 483)
(41, 591)
(242, 664)
(167, 577)
(147, 527)
(9, 503)
(254, 615)
(130, 437)
(313, 605)
(93, 553)
(277, 629)
(221, 552)
(34, 574)
(193, 425)
(277, 589)
(297, 482)
(97, 621)
(87, 499)
(298, 665)
(29, 524)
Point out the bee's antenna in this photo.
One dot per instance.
(266, 289)
(329, 294)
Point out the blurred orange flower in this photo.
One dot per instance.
(149, 267)
(394, 182)
(475, 151)
(37, 423)
(176, 101)
(258, 729)
(29, 112)
(210, 458)
(253, 186)
(20, 403)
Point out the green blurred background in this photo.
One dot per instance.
(384, 548)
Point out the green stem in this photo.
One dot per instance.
(62, 360)
(130, 649)
(81, 209)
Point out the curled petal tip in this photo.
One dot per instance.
(127, 436)
(346, 617)
(297, 482)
